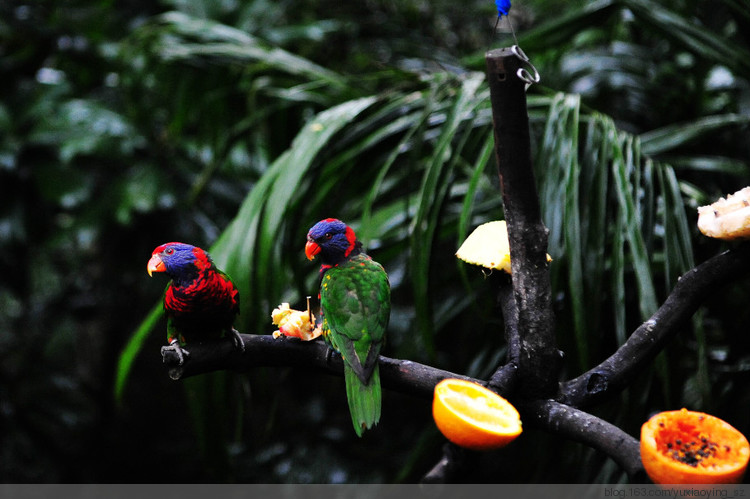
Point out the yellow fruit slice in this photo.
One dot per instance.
(727, 218)
(488, 247)
(683, 447)
(471, 416)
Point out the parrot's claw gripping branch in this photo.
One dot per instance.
(330, 354)
(174, 346)
(237, 338)
(205, 355)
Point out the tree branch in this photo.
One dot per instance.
(411, 378)
(405, 376)
(580, 426)
(505, 377)
(616, 372)
(446, 469)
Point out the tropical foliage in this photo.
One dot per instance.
(235, 126)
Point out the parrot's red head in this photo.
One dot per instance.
(180, 261)
(333, 240)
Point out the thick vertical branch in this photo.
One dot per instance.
(538, 358)
(504, 380)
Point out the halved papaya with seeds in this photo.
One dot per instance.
(681, 447)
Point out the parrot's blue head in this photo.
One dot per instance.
(333, 240)
(179, 261)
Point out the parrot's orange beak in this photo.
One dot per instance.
(155, 265)
(311, 249)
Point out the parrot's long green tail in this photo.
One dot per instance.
(364, 399)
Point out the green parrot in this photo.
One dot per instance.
(355, 301)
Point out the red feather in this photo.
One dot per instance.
(205, 307)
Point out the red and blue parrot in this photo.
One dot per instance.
(355, 300)
(200, 302)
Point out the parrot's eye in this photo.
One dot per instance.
(328, 235)
(169, 251)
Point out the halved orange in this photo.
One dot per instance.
(681, 447)
(471, 416)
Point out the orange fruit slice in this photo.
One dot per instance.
(681, 447)
(471, 416)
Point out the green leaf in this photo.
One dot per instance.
(562, 170)
(431, 196)
(132, 349)
(560, 29)
(412, 123)
(625, 162)
(85, 127)
(483, 158)
(672, 137)
(248, 249)
(709, 164)
(219, 41)
(691, 35)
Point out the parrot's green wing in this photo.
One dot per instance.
(356, 301)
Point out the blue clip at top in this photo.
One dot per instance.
(503, 7)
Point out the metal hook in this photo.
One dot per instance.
(522, 73)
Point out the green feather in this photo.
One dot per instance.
(364, 399)
(355, 298)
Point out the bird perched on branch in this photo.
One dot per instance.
(201, 302)
(355, 300)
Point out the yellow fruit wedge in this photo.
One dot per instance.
(488, 246)
(471, 416)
